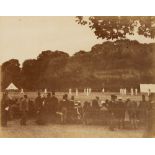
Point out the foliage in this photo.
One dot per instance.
(10, 73)
(118, 27)
(111, 65)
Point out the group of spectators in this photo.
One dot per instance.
(118, 112)
(44, 109)
(15, 108)
(48, 109)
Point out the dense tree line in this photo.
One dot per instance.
(111, 65)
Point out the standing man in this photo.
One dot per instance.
(150, 128)
(120, 91)
(4, 109)
(112, 112)
(71, 110)
(95, 103)
(76, 92)
(132, 110)
(142, 109)
(70, 91)
(48, 107)
(54, 106)
(125, 91)
(132, 93)
(39, 107)
(24, 107)
(64, 108)
(121, 113)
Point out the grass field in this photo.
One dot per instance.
(81, 96)
(75, 130)
(32, 130)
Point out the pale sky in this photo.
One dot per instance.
(25, 37)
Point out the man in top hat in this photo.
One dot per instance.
(4, 109)
(120, 112)
(142, 109)
(95, 104)
(112, 112)
(54, 101)
(71, 110)
(132, 111)
(24, 108)
(63, 108)
(48, 108)
(39, 108)
(150, 129)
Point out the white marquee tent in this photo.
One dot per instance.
(145, 88)
(11, 87)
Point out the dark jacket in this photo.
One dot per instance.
(38, 103)
(24, 105)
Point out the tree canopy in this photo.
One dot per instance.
(112, 65)
(11, 72)
(118, 27)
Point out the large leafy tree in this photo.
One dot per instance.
(78, 69)
(118, 27)
(30, 72)
(11, 72)
(122, 63)
(125, 60)
(51, 65)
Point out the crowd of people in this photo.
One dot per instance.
(48, 109)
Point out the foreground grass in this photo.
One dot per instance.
(14, 130)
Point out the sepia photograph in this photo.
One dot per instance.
(77, 76)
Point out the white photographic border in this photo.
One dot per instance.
(89, 146)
